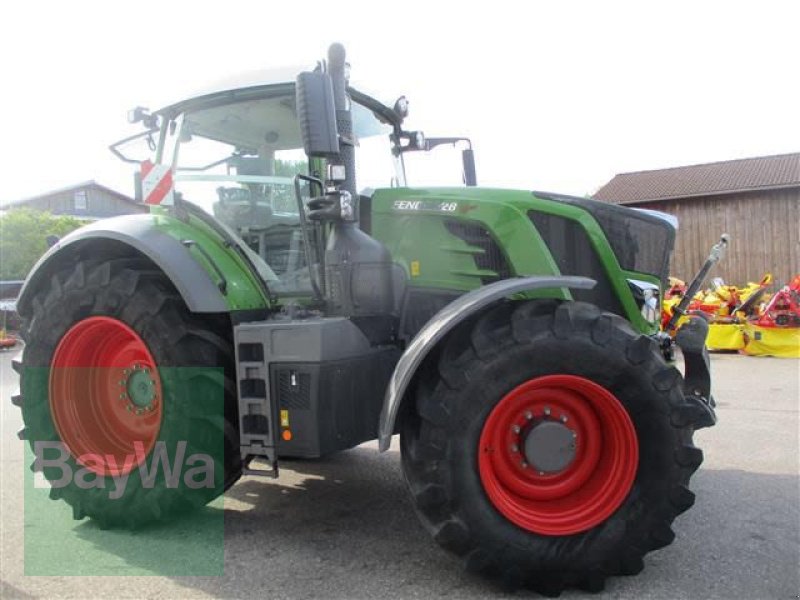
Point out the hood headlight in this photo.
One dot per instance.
(648, 296)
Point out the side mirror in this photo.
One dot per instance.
(468, 162)
(316, 114)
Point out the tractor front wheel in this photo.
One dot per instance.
(541, 446)
(128, 398)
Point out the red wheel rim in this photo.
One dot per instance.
(587, 490)
(105, 395)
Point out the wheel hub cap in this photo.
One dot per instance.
(558, 455)
(550, 447)
(140, 387)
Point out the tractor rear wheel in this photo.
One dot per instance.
(119, 380)
(541, 447)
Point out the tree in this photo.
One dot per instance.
(283, 199)
(23, 238)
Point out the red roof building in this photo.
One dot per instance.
(755, 200)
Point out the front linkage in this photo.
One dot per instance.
(691, 339)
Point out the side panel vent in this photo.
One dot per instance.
(492, 258)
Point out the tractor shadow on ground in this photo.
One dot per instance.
(192, 544)
(346, 519)
(343, 527)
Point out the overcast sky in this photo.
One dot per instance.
(556, 96)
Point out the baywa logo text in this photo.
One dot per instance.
(196, 471)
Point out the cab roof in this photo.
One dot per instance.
(243, 85)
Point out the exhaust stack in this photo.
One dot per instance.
(338, 70)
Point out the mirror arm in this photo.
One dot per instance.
(383, 113)
(114, 147)
(428, 143)
(431, 143)
(216, 163)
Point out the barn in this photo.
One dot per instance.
(88, 200)
(755, 200)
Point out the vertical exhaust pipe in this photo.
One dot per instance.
(358, 267)
(337, 68)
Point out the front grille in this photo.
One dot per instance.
(639, 244)
(492, 257)
(642, 242)
(574, 254)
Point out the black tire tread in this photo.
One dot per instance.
(427, 446)
(134, 291)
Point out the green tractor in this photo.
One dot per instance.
(511, 338)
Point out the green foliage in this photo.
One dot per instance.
(283, 199)
(23, 238)
(289, 168)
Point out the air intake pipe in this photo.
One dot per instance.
(358, 267)
(337, 68)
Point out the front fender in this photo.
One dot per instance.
(161, 238)
(443, 322)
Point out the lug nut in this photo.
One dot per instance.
(514, 448)
(528, 415)
(515, 428)
(563, 418)
(547, 410)
(541, 472)
(523, 464)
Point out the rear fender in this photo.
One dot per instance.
(445, 321)
(209, 276)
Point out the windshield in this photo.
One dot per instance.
(238, 160)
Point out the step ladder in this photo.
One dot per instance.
(257, 413)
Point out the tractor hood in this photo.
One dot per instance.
(462, 238)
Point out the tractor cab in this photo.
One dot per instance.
(235, 154)
(236, 151)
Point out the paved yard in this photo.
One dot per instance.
(344, 528)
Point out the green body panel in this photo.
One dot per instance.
(411, 223)
(445, 261)
(243, 289)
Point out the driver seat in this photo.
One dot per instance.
(238, 209)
